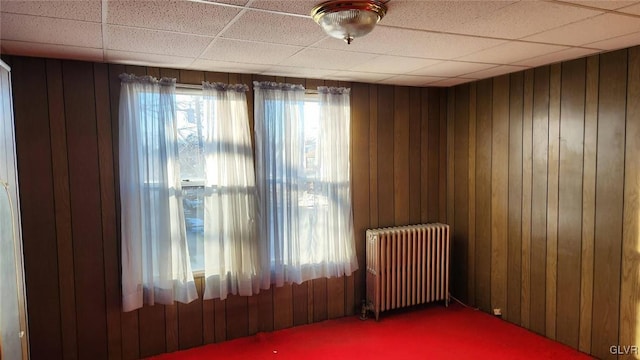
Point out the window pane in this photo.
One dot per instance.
(193, 202)
(190, 136)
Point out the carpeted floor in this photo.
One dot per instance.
(431, 332)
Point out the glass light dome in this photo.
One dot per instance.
(348, 19)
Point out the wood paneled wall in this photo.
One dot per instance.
(543, 167)
(66, 127)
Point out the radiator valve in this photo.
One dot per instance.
(366, 307)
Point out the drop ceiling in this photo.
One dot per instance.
(418, 43)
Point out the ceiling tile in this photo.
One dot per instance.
(452, 68)
(180, 16)
(275, 28)
(617, 42)
(301, 7)
(232, 2)
(154, 42)
(381, 40)
(227, 66)
(634, 9)
(52, 51)
(393, 64)
(358, 76)
(498, 70)
(411, 80)
(290, 71)
(602, 4)
(511, 52)
(86, 10)
(413, 43)
(437, 15)
(590, 30)
(133, 58)
(451, 82)
(249, 51)
(440, 46)
(562, 55)
(327, 59)
(524, 18)
(52, 31)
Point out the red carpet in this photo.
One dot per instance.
(432, 332)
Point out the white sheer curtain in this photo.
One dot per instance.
(305, 209)
(155, 256)
(335, 221)
(233, 257)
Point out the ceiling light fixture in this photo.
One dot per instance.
(348, 19)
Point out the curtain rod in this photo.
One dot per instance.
(199, 87)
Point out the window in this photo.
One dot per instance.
(190, 124)
(303, 177)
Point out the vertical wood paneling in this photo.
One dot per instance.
(527, 178)
(64, 236)
(471, 264)
(191, 77)
(572, 180)
(385, 157)
(588, 202)
(152, 339)
(320, 311)
(265, 310)
(33, 150)
(401, 155)
(431, 175)
(283, 304)
(190, 321)
(415, 151)
(351, 305)
(442, 155)
(539, 199)
(208, 322)
(609, 200)
(84, 181)
(361, 150)
(630, 285)
(514, 240)
(570, 201)
(552, 200)
(373, 156)
(220, 317)
(500, 193)
(130, 335)
(300, 304)
(237, 316)
(459, 246)
(108, 209)
(483, 194)
(451, 114)
(425, 172)
(335, 297)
